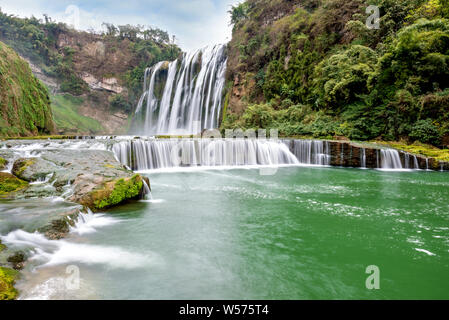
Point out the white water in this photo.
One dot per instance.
(314, 152)
(362, 158)
(183, 96)
(390, 159)
(45, 252)
(164, 153)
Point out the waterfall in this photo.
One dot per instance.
(169, 153)
(362, 158)
(184, 96)
(315, 152)
(390, 159)
(415, 162)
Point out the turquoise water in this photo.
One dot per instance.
(303, 233)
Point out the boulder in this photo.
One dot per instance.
(98, 180)
(10, 184)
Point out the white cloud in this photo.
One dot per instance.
(195, 23)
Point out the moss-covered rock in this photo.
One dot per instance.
(17, 260)
(7, 280)
(24, 101)
(10, 183)
(116, 191)
(3, 163)
(21, 165)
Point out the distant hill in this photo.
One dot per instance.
(24, 100)
(100, 75)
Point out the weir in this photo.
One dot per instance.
(184, 96)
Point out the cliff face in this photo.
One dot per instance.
(95, 79)
(314, 68)
(24, 101)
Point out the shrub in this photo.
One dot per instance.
(425, 131)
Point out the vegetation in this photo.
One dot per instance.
(65, 56)
(115, 192)
(24, 103)
(7, 279)
(68, 119)
(423, 149)
(3, 163)
(314, 68)
(9, 183)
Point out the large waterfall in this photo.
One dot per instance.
(148, 154)
(184, 96)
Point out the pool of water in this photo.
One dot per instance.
(302, 233)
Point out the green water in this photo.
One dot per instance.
(303, 233)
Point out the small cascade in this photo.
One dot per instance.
(390, 159)
(146, 194)
(406, 160)
(415, 162)
(342, 155)
(362, 157)
(151, 154)
(315, 152)
(184, 96)
(427, 163)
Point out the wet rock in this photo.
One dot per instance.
(98, 180)
(33, 169)
(7, 279)
(3, 163)
(17, 260)
(10, 184)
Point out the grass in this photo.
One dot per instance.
(422, 149)
(66, 117)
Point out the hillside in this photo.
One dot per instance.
(100, 74)
(24, 101)
(313, 68)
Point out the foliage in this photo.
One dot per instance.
(7, 280)
(117, 191)
(120, 102)
(389, 83)
(24, 103)
(425, 131)
(67, 118)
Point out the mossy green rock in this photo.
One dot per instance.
(116, 191)
(7, 279)
(33, 169)
(24, 101)
(10, 183)
(3, 163)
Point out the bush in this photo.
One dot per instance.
(425, 131)
(119, 102)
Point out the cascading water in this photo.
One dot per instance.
(390, 159)
(362, 158)
(183, 96)
(315, 152)
(169, 153)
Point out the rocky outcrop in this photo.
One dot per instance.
(10, 184)
(106, 84)
(92, 178)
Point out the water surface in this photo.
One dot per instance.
(303, 233)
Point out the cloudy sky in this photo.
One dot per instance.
(195, 23)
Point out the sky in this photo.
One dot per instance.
(195, 23)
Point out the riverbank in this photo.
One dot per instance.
(88, 179)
